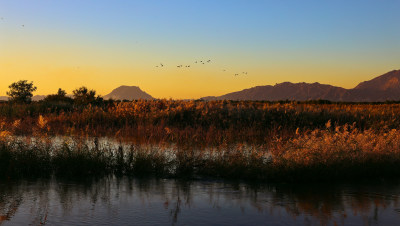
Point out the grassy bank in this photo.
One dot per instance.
(194, 122)
(341, 153)
(245, 140)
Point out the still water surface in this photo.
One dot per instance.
(124, 201)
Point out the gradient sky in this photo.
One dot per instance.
(104, 44)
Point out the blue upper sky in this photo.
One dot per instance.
(273, 39)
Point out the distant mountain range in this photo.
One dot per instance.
(128, 93)
(382, 88)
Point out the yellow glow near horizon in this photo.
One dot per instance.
(69, 64)
(169, 82)
(69, 44)
(67, 68)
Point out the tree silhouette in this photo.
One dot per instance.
(83, 96)
(61, 92)
(60, 96)
(21, 91)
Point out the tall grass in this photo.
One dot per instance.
(343, 153)
(194, 122)
(250, 140)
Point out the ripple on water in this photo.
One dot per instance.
(124, 201)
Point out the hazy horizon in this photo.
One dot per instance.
(242, 89)
(103, 44)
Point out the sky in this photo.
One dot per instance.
(103, 44)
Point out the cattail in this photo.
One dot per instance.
(17, 123)
(42, 122)
(5, 134)
(328, 124)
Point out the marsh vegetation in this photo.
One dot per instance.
(286, 141)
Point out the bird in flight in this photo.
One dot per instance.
(162, 65)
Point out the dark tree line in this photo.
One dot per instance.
(22, 92)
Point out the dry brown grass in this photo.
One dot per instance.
(196, 122)
(238, 140)
(343, 153)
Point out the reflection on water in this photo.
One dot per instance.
(126, 201)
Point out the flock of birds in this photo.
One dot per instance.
(182, 66)
(201, 62)
(243, 73)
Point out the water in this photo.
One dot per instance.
(124, 201)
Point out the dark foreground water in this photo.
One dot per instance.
(112, 201)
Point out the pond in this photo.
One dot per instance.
(127, 201)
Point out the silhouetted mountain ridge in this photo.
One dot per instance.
(128, 93)
(382, 88)
(388, 81)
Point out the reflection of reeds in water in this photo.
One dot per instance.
(325, 204)
(9, 209)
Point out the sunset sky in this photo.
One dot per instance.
(104, 44)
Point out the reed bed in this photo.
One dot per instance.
(329, 154)
(194, 122)
(245, 140)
